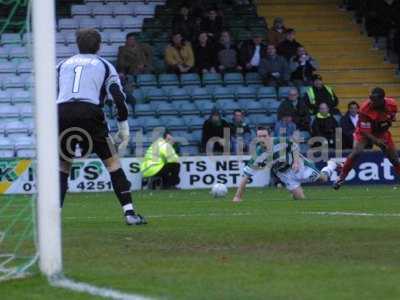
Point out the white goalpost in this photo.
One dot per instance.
(48, 204)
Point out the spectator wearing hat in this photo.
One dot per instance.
(274, 69)
(324, 125)
(277, 32)
(320, 93)
(295, 107)
(288, 47)
(251, 53)
(214, 127)
(302, 67)
(227, 54)
(179, 56)
(205, 55)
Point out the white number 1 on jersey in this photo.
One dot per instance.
(77, 79)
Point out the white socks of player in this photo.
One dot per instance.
(127, 207)
(330, 168)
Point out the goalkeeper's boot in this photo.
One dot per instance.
(133, 219)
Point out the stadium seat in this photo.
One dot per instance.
(81, 10)
(223, 93)
(163, 108)
(24, 67)
(199, 93)
(168, 80)
(117, 37)
(172, 122)
(146, 80)
(145, 10)
(178, 94)
(139, 95)
(21, 96)
(14, 82)
(189, 150)
(273, 106)
(283, 92)
(185, 107)
(10, 38)
(6, 148)
(106, 22)
(143, 109)
(68, 24)
(233, 79)
(131, 23)
(266, 93)
(63, 51)
(108, 51)
(17, 129)
(19, 52)
(191, 79)
(205, 106)
(253, 79)
(154, 94)
(196, 135)
(212, 79)
(250, 106)
(102, 10)
(9, 112)
(8, 67)
(246, 93)
(193, 122)
(25, 147)
(227, 105)
(5, 97)
(4, 53)
(123, 10)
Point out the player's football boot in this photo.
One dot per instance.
(133, 219)
(338, 183)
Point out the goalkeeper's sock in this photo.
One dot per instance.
(348, 165)
(63, 186)
(122, 187)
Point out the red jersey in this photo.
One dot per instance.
(376, 122)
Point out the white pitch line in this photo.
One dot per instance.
(82, 287)
(351, 213)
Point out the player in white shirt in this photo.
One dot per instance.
(84, 82)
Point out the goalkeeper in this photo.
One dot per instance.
(84, 81)
(282, 157)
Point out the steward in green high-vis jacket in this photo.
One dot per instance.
(162, 161)
(320, 93)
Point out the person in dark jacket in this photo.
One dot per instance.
(205, 55)
(295, 107)
(251, 53)
(324, 125)
(212, 24)
(302, 68)
(182, 23)
(240, 133)
(214, 127)
(348, 123)
(274, 69)
(288, 47)
(320, 93)
(227, 54)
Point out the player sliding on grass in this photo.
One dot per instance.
(282, 156)
(84, 81)
(376, 117)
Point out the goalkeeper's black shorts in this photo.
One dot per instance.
(83, 124)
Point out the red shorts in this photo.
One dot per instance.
(385, 136)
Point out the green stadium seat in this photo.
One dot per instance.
(192, 79)
(146, 80)
(266, 93)
(212, 79)
(168, 80)
(233, 79)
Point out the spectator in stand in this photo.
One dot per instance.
(182, 23)
(214, 127)
(212, 24)
(134, 57)
(197, 8)
(251, 53)
(396, 47)
(179, 55)
(240, 133)
(285, 127)
(227, 54)
(348, 123)
(277, 32)
(302, 68)
(295, 107)
(288, 47)
(324, 125)
(274, 69)
(205, 55)
(320, 93)
(195, 29)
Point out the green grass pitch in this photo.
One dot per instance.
(197, 247)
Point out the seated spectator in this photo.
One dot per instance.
(285, 127)
(179, 55)
(277, 32)
(251, 52)
(324, 125)
(396, 47)
(182, 23)
(160, 166)
(240, 133)
(320, 93)
(214, 127)
(205, 55)
(227, 54)
(348, 123)
(302, 68)
(134, 57)
(288, 47)
(212, 24)
(274, 69)
(295, 107)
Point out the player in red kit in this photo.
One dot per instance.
(376, 117)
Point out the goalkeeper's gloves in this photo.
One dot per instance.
(122, 137)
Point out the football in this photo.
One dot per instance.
(219, 190)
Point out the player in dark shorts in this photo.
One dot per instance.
(84, 82)
(376, 117)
